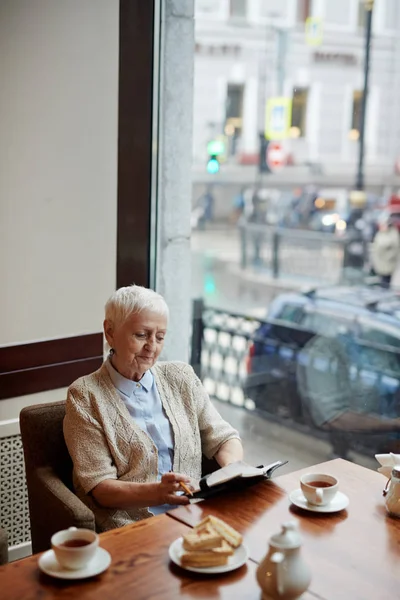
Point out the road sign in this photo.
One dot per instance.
(278, 118)
(314, 31)
(275, 156)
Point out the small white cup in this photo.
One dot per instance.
(71, 556)
(319, 495)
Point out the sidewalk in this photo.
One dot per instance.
(222, 243)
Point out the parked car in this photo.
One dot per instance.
(370, 316)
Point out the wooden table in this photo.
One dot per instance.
(353, 554)
(140, 570)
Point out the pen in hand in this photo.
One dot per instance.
(185, 487)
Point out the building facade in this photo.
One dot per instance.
(249, 51)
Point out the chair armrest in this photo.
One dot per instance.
(54, 507)
(3, 546)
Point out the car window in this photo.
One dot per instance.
(293, 313)
(325, 324)
(376, 335)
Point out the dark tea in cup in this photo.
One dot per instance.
(74, 548)
(76, 543)
(319, 488)
(320, 484)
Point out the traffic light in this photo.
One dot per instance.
(213, 164)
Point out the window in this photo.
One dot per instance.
(375, 335)
(299, 112)
(233, 117)
(234, 109)
(258, 323)
(238, 8)
(361, 18)
(234, 103)
(291, 312)
(303, 10)
(356, 115)
(326, 324)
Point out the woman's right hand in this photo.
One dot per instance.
(168, 486)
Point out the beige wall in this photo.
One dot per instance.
(58, 166)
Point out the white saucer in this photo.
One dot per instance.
(99, 563)
(339, 502)
(238, 559)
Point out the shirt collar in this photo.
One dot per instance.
(127, 386)
(147, 381)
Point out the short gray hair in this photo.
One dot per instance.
(133, 299)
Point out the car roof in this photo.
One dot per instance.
(371, 298)
(355, 300)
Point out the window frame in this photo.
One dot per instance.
(302, 126)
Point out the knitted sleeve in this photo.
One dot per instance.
(86, 443)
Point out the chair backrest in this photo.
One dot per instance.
(53, 504)
(43, 439)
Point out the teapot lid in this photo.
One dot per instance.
(288, 538)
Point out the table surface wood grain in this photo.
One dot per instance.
(353, 554)
(140, 569)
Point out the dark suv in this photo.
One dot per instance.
(369, 316)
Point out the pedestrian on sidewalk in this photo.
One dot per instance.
(239, 205)
(385, 252)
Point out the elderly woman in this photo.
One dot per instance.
(136, 429)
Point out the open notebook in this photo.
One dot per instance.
(236, 476)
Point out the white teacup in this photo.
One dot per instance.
(74, 548)
(319, 489)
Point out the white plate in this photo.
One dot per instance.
(99, 563)
(235, 561)
(339, 502)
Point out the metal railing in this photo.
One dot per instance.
(303, 253)
(220, 355)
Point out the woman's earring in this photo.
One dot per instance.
(112, 352)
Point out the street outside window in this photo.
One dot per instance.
(295, 241)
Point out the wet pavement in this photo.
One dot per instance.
(265, 442)
(218, 278)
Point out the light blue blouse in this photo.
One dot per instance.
(144, 405)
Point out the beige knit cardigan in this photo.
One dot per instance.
(105, 443)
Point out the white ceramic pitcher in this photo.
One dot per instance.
(283, 574)
(393, 495)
